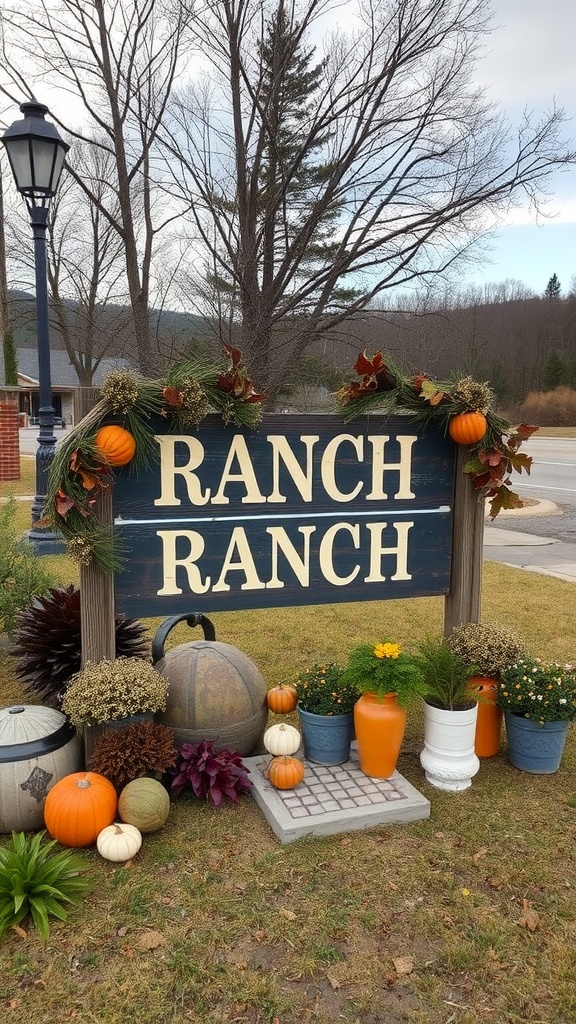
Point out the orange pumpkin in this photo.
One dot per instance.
(467, 427)
(282, 699)
(78, 807)
(115, 445)
(285, 772)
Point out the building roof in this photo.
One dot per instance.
(62, 372)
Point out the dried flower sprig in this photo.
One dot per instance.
(489, 646)
(121, 390)
(114, 689)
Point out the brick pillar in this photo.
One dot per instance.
(9, 435)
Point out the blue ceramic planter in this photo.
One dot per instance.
(533, 747)
(326, 738)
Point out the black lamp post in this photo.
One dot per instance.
(36, 153)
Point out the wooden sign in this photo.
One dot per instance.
(304, 510)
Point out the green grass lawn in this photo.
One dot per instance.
(467, 918)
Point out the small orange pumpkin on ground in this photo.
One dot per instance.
(467, 427)
(282, 699)
(115, 444)
(78, 807)
(285, 772)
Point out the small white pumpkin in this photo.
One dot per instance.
(119, 842)
(282, 740)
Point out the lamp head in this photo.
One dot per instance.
(36, 153)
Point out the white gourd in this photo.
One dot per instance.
(282, 739)
(119, 842)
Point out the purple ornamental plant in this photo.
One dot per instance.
(210, 774)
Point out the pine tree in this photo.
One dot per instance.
(552, 288)
(556, 373)
(289, 83)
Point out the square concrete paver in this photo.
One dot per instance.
(333, 799)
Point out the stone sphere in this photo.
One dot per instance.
(215, 692)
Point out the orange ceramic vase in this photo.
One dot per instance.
(489, 721)
(379, 723)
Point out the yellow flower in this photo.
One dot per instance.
(387, 650)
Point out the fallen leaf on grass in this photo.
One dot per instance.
(151, 940)
(20, 932)
(121, 932)
(480, 853)
(530, 918)
(334, 983)
(403, 965)
(13, 1004)
(494, 883)
(288, 914)
(167, 901)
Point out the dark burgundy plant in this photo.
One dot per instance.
(46, 642)
(210, 774)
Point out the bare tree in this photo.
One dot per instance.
(88, 296)
(120, 60)
(86, 269)
(401, 158)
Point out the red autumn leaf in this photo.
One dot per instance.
(63, 503)
(75, 461)
(172, 397)
(480, 480)
(418, 381)
(234, 355)
(238, 384)
(525, 430)
(491, 456)
(89, 479)
(254, 396)
(365, 366)
(77, 465)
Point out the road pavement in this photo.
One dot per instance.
(527, 549)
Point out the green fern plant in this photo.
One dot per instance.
(34, 881)
(445, 676)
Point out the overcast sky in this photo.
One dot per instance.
(530, 63)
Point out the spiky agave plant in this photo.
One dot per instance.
(47, 644)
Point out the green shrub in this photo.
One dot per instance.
(34, 881)
(22, 575)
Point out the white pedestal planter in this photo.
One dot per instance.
(448, 758)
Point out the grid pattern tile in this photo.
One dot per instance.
(336, 788)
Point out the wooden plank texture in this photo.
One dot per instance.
(463, 601)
